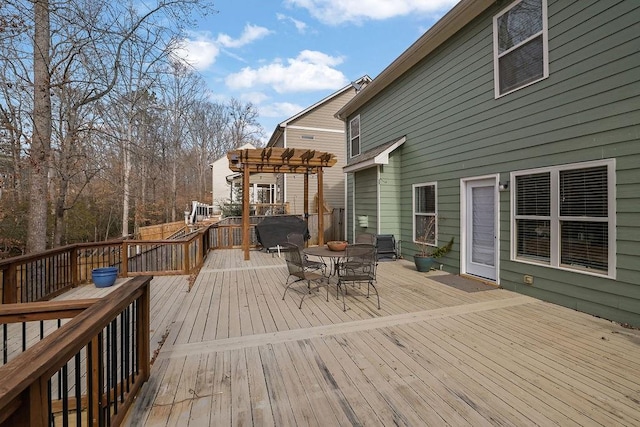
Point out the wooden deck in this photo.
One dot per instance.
(434, 354)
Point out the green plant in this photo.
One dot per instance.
(424, 240)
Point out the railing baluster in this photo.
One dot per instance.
(5, 344)
(127, 346)
(100, 371)
(114, 363)
(107, 389)
(122, 355)
(78, 390)
(52, 421)
(65, 395)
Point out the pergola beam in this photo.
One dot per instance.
(280, 160)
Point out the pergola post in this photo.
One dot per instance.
(320, 208)
(245, 212)
(306, 197)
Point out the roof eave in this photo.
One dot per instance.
(461, 14)
(380, 159)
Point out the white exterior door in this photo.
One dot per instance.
(481, 233)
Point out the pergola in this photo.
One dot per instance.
(280, 160)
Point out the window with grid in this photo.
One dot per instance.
(520, 45)
(564, 217)
(424, 213)
(354, 136)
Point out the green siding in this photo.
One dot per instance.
(390, 200)
(587, 109)
(366, 199)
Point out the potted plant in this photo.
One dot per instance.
(428, 254)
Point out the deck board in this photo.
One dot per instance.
(238, 354)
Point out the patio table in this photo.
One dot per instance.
(333, 257)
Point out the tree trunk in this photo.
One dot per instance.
(174, 189)
(126, 152)
(41, 143)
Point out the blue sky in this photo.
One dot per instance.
(285, 55)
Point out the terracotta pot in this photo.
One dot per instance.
(337, 245)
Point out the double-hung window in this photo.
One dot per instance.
(520, 45)
(565, 217)
(354, 136)
(425, 215)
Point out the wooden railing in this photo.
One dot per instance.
(44, 275)
(86, 372)
(227, 233)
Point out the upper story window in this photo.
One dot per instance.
(354, 136)
(424, 213)
(565, 217)
(520, 45)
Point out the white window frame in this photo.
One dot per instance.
(425, 214)
(555, 218)
(497, 56)
(352, 137)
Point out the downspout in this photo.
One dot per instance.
(378, 183)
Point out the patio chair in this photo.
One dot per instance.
(298, 240)
(359, 267)
(299, 273)
(366, 238)
(387, 246)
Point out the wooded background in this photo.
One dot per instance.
(102, 127)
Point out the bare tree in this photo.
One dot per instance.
(89, 41)
(208, 124)
(182, 90)
(244, 126)
(41, 141)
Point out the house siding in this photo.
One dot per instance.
(390, 200)
(587, 109)
(366, 199)
(333, 177)
(328, 136)
(322, 117)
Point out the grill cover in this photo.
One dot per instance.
(273, 230)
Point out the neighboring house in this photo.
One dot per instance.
(316, 128)
(516, 125)
(223, 181)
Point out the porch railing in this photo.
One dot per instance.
(86, 372)
(44, 275)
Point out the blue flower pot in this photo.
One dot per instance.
(104, 277)
(423, 263)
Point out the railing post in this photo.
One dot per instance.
(32, 407)
(185, 249)
(124, 259)
(143, 324)
(74, 266)
(10, 285)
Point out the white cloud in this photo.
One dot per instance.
(255, 98)
(280, 110)
(300, 26)
(199, 53)
(250, 34)
(310, 71)
(201, 50)
(335, 12)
